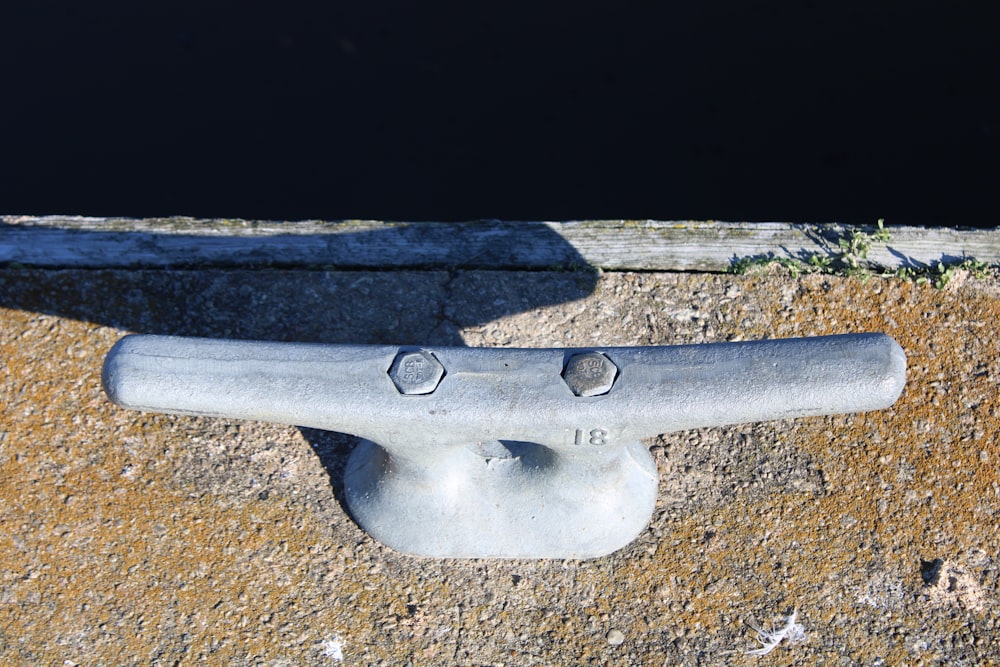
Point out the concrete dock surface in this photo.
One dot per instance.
(144, 539)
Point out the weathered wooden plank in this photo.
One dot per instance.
(56, 241)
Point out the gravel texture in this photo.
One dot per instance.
(134, 539)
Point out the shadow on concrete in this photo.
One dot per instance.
(415, 307)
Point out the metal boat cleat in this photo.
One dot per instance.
(504, 453)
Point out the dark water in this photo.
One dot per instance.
(733, 110)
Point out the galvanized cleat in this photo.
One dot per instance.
(504, 453)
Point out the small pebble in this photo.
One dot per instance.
(616, 637)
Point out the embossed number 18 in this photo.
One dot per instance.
(597, 437)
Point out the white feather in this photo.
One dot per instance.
(769, 640)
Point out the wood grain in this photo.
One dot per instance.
(57, 241)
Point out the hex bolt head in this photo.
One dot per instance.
(590, 374)
(416, 372)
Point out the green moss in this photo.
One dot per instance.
(850, 258)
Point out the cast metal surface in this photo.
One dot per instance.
(517, 453)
